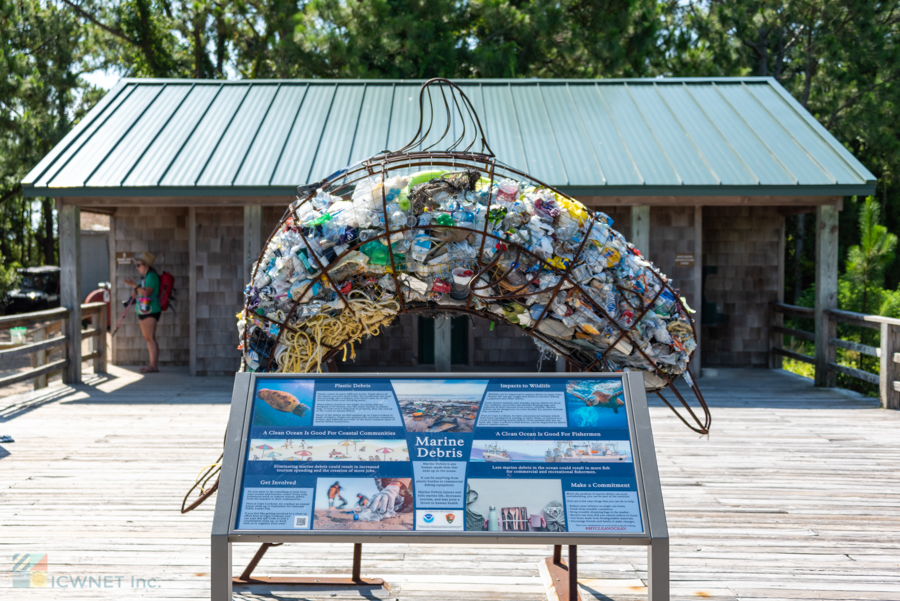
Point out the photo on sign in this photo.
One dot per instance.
(518, 505)
(363, 504)
(283, 403)
(328, 449)
(596, 404)
(439, 405)
(551, 451)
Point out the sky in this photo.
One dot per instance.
(461, 388)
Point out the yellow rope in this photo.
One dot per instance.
(304, 350)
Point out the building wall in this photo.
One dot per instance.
(220, 282)
(672, 233)
(163, 232)
(740, 252)
(741, 256)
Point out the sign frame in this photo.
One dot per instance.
(224, 532)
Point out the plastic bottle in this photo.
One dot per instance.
(493, 525)
(508, 190)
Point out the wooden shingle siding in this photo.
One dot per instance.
(163, 232)
(220, 275)
(742, 244)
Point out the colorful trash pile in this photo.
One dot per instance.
(341, 267)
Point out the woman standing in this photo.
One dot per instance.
(146, 294)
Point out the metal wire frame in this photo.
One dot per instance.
(342, 182)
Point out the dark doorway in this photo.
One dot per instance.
(459, 340)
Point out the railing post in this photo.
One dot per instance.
(39, 358)
(100, 344)
(776, 340)
(826, 329)
(888, 372)
(70, 286)
(826, 291)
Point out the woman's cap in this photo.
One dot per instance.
(147, 258)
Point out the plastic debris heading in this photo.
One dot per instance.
(456, 231)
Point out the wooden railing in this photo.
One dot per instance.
(825, 358)
(47, 332)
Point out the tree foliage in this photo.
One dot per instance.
(839, 58)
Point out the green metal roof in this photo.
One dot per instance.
(710, 136)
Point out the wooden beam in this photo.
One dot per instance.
(100, 342)
(114, 307)
(99, 202)
(192, 290)
(889, 371)
(39, 345)
(640, 227)
(777, 319)
(697, 301)
(826, 292)
(70, 286)
(26, 319)
(253, 237)
(713, 201)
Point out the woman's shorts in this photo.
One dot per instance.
(153, 315)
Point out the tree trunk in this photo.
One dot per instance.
(48, 240)
(763, 54)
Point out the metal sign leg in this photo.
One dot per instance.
(220, 573)
(573, 573)
(564, 578)
(658, 570)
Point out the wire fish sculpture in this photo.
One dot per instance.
(420, 230)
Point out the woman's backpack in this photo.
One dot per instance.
(166, 291)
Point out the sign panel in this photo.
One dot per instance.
(124, 258)
(684, 260)
(506, 455)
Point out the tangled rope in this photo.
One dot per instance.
(300, 351)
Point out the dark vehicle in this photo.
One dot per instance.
(38, 290)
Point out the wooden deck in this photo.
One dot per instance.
(795, 495)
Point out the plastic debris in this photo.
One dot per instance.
(342, 266)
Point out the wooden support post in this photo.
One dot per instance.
(889, 373)
(100, 341)
(70, 286)
(640, 228)
(39, 358)
(192, 290)
(442, 344)
(776, 318)
(697, 275)
(826, 291)
(253, 237)
(114, 306)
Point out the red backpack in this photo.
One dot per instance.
(166, 291)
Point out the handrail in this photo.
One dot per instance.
(862, 320)
(43, 345)
(26, 319)
(825, 359)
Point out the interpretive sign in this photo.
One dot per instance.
(558, 458)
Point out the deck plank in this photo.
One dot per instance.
(794, 495)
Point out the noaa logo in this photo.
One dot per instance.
(428, 518)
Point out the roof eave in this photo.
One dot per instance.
(291, 191)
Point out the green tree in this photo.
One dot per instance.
(8, 279)
(866, 263)
(44, 51)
